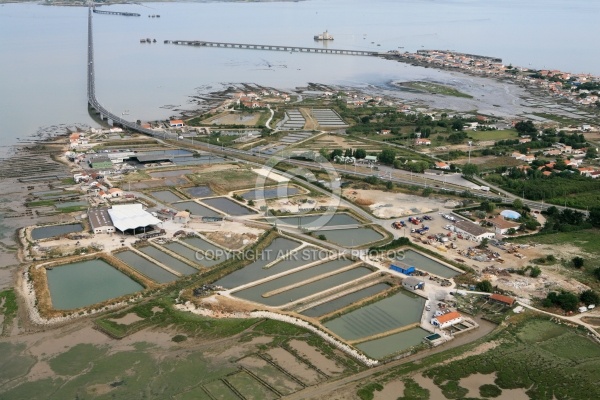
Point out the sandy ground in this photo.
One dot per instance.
(270, 174)
(391, 390)
(393, 205)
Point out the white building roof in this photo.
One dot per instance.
(131, 216)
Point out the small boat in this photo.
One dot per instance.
(126, 112)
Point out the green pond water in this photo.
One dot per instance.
(168, 260)
(196, 209)
(46, 232)
(255, 271)
(388, 345)
(228, 206)
(390, 313)
(87, 282)
(344, 301)
(424, 263)
(318, 220)
(146, 267)
(166, 196)
(256, 293)
(190, 254)
(351, 237)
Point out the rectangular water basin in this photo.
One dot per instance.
(425, 263)
(85, 283)
(46, 232)
(146, 267)
(199, 191)
(166, 196)
(271, 193)
(196, 209)
(228, 206)
(351, 237)
(392, 344)
(256, 293)
(317, 221)
(393, 312)
(168, 260)
(344, 301)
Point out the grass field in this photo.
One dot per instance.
(436, 88)
(227, 180)
(533, 354)
(500, 134)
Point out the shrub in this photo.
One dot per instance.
(489, 390)
(179, 338)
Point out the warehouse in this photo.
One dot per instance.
(472, 231)
(100, 221)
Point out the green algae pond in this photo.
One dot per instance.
(84, 283)
(396, 311)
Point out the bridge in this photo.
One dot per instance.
(126, 14)
(273, 47)
(91, 91)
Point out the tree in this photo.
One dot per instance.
(511, 231)
(577, 262)
(360, 153)
(484, 243)
(485, 286)
(387, 156)
(525, 127)
(588, 297)
(487, 206)
(594, 216)
(535, 272)
(389, 185)
(458, 124)
(568, 301)
(518, 204)
(597, 273)
(427, 192)
(336, 153)
(470, 170)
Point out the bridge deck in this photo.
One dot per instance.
(273, 47)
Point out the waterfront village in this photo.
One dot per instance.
(383, 229)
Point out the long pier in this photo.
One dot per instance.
(272, 47)
(125, 14)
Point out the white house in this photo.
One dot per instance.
(115, 192)
(182, 217)
(472, 231)
(446, 320)
(413, 283)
